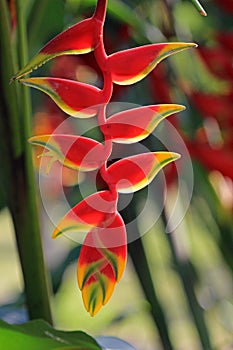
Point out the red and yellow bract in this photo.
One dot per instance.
(136, 124)
(76, 152)
(133, 173)
(101, 263)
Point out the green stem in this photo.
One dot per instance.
(140, 262)
(141, 266)
(9, 91)
(22, 201)
(185, 274)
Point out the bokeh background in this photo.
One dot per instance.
(179, 281)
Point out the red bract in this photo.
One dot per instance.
(133, 173)
(101, 263)
(218, 61)
(81, 38)
(103, 255)
(75, 152)
(97, 210)
(226, 5)
(74, 98)
(142, 60)
(211, 158)
(137, 123)
(225, 39)
(214, 105)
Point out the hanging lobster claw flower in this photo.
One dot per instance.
(74, 98)
(136, 124)
(132, 65)
(79, 39)
(97, 210)
(135, 172)
(75, 152)
(101, 264)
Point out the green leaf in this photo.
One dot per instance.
(38, 335)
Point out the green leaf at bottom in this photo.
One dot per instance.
(37, 335)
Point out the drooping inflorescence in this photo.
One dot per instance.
(103, 254)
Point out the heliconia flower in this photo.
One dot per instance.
(142, 61)
(72, 151)
(79, 39)
(136, 124)
(97, 210)
(135, 172)
(101, 264)
(226, 5)
(225, 39)
(218, 61)
(74, 98)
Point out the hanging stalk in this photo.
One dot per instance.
(22, 193)
(185, 274)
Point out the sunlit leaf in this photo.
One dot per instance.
(101, 263)
(132, 65)
(97, 210)
(133, 173)
(136, 124)
(74, 98)
(75, 152)
(38, 335)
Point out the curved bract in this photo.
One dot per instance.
(136, 124)
(101, 263)
(142, 60)
(75, 152)
(133, 173)
(74, 98)
(80, 38)
(96, 210)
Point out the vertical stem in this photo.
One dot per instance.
(100, 11)
(140, 262)
(141, 266)
(23, 204)
(9, 92)
(183, 269)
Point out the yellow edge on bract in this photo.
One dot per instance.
(41, 58)
(67, 225)
(163, 112)
(168, 50)
(42, 85)
(164, 159)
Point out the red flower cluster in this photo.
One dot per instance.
(103, 255)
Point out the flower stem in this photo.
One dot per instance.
(141, 265)
(23, 204)
(185, 273)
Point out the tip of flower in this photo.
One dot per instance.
(193, 45)
(175, 155)
(56, 233)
